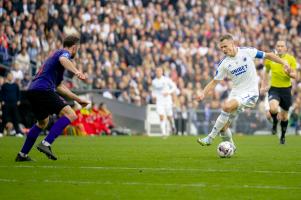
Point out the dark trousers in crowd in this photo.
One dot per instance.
(180, 126)
(10, 114)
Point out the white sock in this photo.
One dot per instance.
(168, 127)
(227, 135)
(221, 121)
(22, 154)
(45, 143)
(163, 127)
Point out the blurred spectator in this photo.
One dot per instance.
(4, 46)
(10, 100)
(23, 60)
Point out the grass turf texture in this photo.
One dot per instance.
(153, 168)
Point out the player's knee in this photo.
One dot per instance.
(227, 108)
(43, 123)
(283, 116)
(71, 116)
(273, 109)
(68, 112)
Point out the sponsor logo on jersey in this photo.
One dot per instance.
(239, 70)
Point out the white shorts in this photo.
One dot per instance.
(165, 110)
(245, 100)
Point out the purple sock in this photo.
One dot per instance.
(31, 138)
(57, 129)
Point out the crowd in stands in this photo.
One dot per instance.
(122, 42)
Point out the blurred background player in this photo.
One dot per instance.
(280, 87)
(43, 96)
(239, 66)
(162, 90)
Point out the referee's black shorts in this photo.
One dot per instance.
(283, 95)
(45, 103)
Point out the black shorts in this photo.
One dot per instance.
(45, 103)
(283, 95)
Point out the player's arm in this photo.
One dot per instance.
(71, 67)
(273, 57)
(172, 87)
(209, 87)
(220, 74)
(291, 71)
(264, 86)
(64, 91)
(153, 92)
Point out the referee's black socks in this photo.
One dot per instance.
(283, 128)
(275, 120)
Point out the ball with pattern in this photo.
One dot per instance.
(225, 149)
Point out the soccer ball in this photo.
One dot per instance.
(225, 149)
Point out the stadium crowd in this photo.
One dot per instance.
(122, 42)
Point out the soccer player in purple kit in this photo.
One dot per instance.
(43, 94)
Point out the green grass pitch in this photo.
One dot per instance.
(140, 167)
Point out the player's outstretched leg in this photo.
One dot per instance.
(68, 115)
(29, 142)
(220, 123)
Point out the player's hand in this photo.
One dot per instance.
(81, 76)
(200, 97)
(83, 102)
(287, 69)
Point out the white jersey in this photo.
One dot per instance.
(163, 85)
(241, 69)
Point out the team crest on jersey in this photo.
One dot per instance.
(245, 59)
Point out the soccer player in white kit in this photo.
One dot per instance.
(239, 66)
(162, 89)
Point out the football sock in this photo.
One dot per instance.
(163, 127)
(57, 129)
(221, 121)
(30, 139)
(227, 135)
(275, 120)
(283, 128)
(167, 127)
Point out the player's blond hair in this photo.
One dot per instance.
(226, 37)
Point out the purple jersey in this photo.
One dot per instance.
(51, 73)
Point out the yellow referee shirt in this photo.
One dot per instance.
(278, 76)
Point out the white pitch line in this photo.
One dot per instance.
(154, 169)
(200, 185)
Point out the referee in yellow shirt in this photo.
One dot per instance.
(280, 87)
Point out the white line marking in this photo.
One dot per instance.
(202, 185)
(154, 169)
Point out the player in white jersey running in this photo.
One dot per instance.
(162, 89)
(239, 66)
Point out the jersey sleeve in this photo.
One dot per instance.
(66, 55)
(254, 53)
(220, 72)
